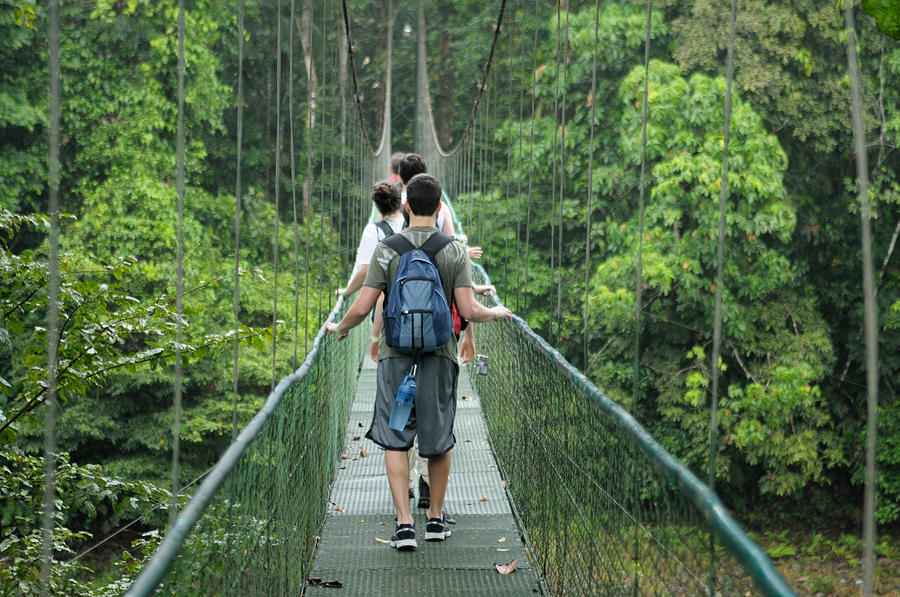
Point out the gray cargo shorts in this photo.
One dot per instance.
(433, 410)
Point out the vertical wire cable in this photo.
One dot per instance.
(555, 146)
(643, 189)
(179, 289)
(590, 194)
(49, 500)
(238, 191)
(509, 167)
(720, 287)
(293, 184)
(869, 305)
(277, 180)
(562, 183)
(322, 122)
(521, 135)
(307, 184)
(343, 239)
(639, 274)
(530, 160)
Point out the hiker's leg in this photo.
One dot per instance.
(439, 475)
(398, 477)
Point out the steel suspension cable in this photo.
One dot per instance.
(307, 188)
(49, 498)
(562, 185)
(720, 286)
(590, 194)
(639, 281)
(639, 275)
(293, 183)
(530, 160)
(519, 166)
(179, 289)
(322, 123)
(238, 191)
(277, 179)
(869, 305)
(557, 123)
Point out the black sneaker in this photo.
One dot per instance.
(404, 537)
(424, 494)
(437, 529)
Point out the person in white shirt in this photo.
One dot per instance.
(386, 197)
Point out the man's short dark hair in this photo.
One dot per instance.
(410, 165)
(395, 162)
(386, 197)
(423, 195)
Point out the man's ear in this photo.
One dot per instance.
(406, 208)
(440, 205)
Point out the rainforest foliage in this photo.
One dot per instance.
(560, 165)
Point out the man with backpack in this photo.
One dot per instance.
(430, 360)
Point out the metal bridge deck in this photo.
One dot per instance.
(361, 513)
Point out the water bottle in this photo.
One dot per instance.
(403, 404)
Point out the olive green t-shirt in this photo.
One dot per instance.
(452, 263)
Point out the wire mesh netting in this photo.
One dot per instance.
(605, 508)
(258, 534)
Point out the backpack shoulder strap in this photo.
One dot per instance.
(399, 243)
(435, 243)
(385, 228)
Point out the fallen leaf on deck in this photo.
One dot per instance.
(483, 500)
(466, 398)
(502, 549)
(380, 540)
(468, 441)
(501, 539)
(360, 520)
(356, 438)
(503, 483)
(345, 457)
(338, 510)
(362, 453)
(329, 584)
(506, 568)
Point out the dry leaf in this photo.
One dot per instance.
(360, 520)
(491, 465)
(362, 453)
(468, 441)
(506, 568)
(356, 438)
(503, 483)
(338, 510)
(345, 457)
(380, 540)
(501, 539)
(502, 549)
(329, 584)
(466, 398)
(483, 500)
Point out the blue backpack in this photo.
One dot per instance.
(417, 315)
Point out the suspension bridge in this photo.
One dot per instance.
(548, 471)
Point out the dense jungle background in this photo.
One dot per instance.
(793, 396)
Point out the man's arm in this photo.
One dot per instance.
(472, 310)
(355, 282)
(356, 313)
(467, 346)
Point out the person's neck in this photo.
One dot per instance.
(415, 220)
(394, 215)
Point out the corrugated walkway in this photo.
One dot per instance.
(361, 513)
